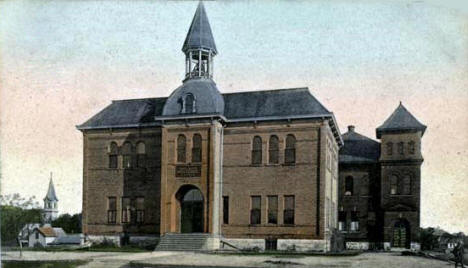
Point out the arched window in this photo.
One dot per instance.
(189, 104)
(389, 148)
(407, 184)
(127, 154)
(257, 150)
(141, 154)
(349, 185)
(411, 147)
(400, 148)
(181, 144)
(393, 185)
(113, 155)
(196, 148)
(290, 151)
(273, 150)
(193, 195)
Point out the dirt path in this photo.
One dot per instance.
(122, 260)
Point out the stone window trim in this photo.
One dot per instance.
(389, 148)
(111, 209)
(127, 149)
(273, 150)
(289, 210)
(196, 148)
(126, 209)
(401, 184)
(257, 146)
(272, 210)
(290, 150)
(255, 210)
(401, 148)
(411, 147)
(141, 154)
(113, 155)
(181, 149)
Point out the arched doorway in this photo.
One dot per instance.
(401, 234)
(191, 210)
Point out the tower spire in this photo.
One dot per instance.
(199, 46)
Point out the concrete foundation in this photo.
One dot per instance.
(357, 245)
(299, 245)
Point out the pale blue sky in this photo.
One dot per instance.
(63, 61)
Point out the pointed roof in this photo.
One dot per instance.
(51, 196)
(358, 148)
(400, 120)
(199, 34)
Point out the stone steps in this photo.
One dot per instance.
(183, 242)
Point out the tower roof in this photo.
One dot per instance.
(51, 196)
(199, 35)
(400, 120)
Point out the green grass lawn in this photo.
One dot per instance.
(43, 264)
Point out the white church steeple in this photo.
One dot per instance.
(50, 211)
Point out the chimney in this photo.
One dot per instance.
(350, 128)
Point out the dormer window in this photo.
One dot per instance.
(188, 104)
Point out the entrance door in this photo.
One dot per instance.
(192, 212)
(401, 235)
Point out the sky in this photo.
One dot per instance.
(61, 62)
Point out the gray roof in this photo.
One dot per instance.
(241, 106)
(51, 196)
(270, 103)
(199, 35)
(67, 239)
(126, 113)
(358, 148)
(207, 97)
(400, 120)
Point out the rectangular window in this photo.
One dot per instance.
(113, 161)
(400, 148)
(273, 209)
(342, 220)
(126, 209)
(289, 209)
(389, 148)
(127, 161)
(256, 210)
(271, 244)
(111, 209)
(141, 160)
(37, 235)
(140, 210)
(226, 209)
(354, 226)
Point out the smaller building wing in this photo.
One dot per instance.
(358, 148)
(400, 120)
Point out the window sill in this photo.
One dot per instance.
(289, 164)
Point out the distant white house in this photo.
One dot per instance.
(24, 233)
(44, 236)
